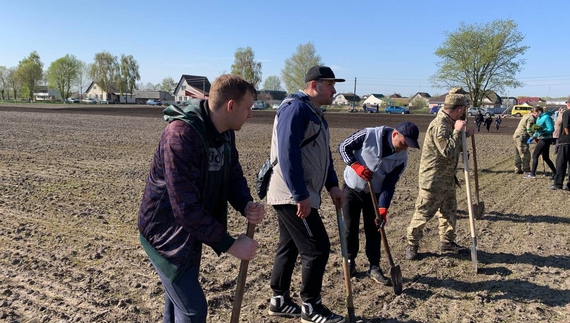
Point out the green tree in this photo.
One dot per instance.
(103, 70)
(29, 73)
(246, 67)
(480, 58)
(168, 84)
(419, 102)
(63, 73)
(128, 75)
(293, 74)
(272, 83)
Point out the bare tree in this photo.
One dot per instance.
(13, 81)
(128, 74)
(103, 70)
(3, 80)
(83, 78)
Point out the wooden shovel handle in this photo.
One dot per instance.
(240, 286)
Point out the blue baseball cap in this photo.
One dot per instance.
(410, 132)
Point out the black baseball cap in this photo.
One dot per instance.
(320, 72)
(410, 132)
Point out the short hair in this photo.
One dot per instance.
(229, 87)
(538, 108)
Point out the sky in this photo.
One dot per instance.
(381, 46)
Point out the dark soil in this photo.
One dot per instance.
(71, 180)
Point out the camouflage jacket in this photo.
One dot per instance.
(525, 126)
(440, 154)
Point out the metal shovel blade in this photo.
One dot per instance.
(396, 275)
(479, 210)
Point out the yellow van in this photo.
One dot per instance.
(520, 110)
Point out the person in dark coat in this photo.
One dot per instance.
(479, 120)
(488, 122)
(498, 122)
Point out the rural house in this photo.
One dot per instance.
(142, 96)
(96, 92)
(345, 98)
(192, 86)
(43, 93)
(374, 100)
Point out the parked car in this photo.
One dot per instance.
(276, 106)
(153, 102)
(113, 101)
(434, 110)
(396, 109)
(72, 100)
(259, 105)
(371, 108)
(473, 111)
(89, 100)
(520, 110)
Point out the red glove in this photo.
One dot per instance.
(362, 171)
(384, 215)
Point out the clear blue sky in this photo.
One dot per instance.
(387, 45)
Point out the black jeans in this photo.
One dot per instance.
(542, 149)
(308, 238)
(355, 203)
(562, 161)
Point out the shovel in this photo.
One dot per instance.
(240, 286)
(345, 269)
(469, 205)
(479, 207)
(395, 271)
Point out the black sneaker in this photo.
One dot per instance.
(411, 252)
(554, 187)
(319, 313)
(452, 247)
(283, 306)
(376, 274)
(352, 267)
(518, 171)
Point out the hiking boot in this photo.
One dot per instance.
(352, 268)
(518, 171)
(283, 306)
(375, 273)
(529, 175)
(319, 313)
(452, 247)
(411, 252)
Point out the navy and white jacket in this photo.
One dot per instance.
(373, 148)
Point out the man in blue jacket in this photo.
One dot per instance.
(378, 155)
(300, 144)
(195, 172)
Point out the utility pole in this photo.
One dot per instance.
(354, 96)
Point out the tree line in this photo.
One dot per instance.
(477, 57)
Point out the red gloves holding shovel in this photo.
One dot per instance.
(384, 215)
(364, 172)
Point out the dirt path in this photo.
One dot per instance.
(70, 186)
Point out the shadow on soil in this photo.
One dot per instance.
(493, 290)
(529, 218)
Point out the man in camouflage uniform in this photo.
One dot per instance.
(522, 134)
(438, 165)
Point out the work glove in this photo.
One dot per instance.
(380, 223)
(364, 172)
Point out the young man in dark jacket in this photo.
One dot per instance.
(563, 155)
(194, 173)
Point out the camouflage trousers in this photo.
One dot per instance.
(442, 203)
(522, 155)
